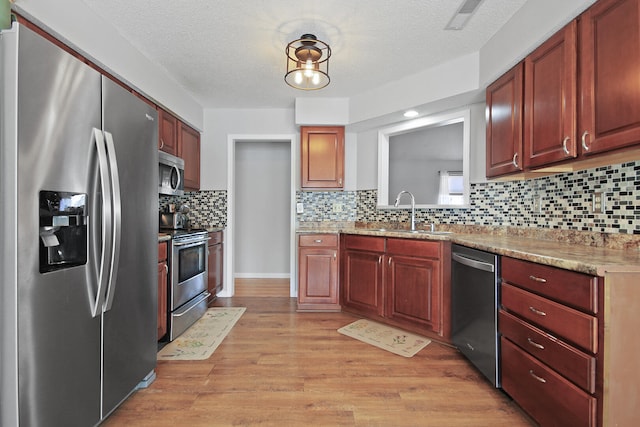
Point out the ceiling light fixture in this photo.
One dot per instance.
(307, 63)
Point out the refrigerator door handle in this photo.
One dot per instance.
(105, 230)
(116, 203)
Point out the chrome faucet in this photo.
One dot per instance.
(413, 207)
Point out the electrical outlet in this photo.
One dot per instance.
(337, 207)
(537, 204)
(299, 208)
(597, 202)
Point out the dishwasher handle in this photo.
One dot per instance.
(478, 265)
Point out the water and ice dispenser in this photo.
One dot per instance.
(63, 230)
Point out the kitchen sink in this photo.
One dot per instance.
(412, 231)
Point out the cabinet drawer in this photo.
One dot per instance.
(364, 243)
(215, 237)
(548, 397)
(573, 325)
(575, 365)
(315, 240)
(162, 251)
(575, 289)
(415, 248)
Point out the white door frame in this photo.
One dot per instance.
(229, 288)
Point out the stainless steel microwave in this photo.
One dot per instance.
(171, 174)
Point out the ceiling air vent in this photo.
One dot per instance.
(462, 15)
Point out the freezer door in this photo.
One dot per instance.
(58, 339)
(130, 315)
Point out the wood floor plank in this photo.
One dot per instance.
(277, 367)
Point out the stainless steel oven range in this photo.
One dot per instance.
(188, 293)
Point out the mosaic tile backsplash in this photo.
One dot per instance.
(565, 200)
(206, 208)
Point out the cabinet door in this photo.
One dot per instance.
(168, 133)
(550, 100)
(162, 299)
(362, 282)
(322, 162)
(318, 280)
(413, 291)
(504, 123)
(189, 151)
(609, 69)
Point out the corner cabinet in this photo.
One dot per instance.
(189, 151)
(322, 157)
(401, 282)
(318, 272)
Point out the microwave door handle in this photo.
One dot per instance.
(116, 230)
(105, 229)
(177, 171)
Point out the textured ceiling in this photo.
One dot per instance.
(230, 53)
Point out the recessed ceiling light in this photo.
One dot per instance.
(411, 113)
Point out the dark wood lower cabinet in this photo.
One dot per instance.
(397, 281)
(163, 280)
(547, 396)
(318, 272)
(214, 264)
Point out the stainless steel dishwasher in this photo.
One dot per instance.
(474, 308)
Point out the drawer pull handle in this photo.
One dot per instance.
(535, 344)
(538, 279)
(538, 312)
(542, 380)
(318, 240)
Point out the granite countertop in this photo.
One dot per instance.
(569, 250)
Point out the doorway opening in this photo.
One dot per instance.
(260, 257)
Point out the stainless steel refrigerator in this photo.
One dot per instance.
(78, 262)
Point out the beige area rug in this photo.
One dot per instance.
(385, 337)
(203, 337)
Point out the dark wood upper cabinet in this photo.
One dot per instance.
(610, 76)
(322, 157)
(504, 123)
(189, 151)
(168, 132)
(550, 100)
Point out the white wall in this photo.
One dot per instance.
(79, 27)
(262, 208)
(528, 28)
(220, 123)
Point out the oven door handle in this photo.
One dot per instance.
(478, 265)
(204, 296)
(191, 242)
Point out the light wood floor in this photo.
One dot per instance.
(281, 368)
